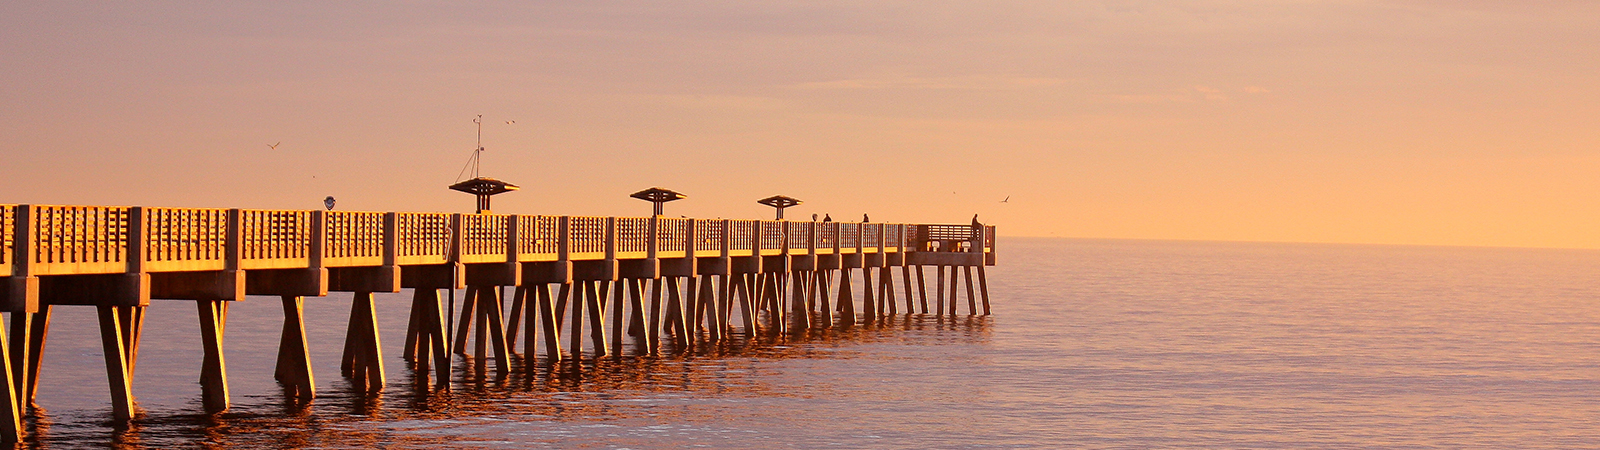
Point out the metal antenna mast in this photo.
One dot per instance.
(477, 155)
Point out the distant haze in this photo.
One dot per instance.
(1398, 122)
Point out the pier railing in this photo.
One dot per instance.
(75, 240)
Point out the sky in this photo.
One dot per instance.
(1386, 122)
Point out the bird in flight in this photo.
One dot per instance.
(274, 146)
(508, 122)
(1007, 200)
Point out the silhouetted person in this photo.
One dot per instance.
(827, 218)
(977, 227)
(864, 218)
(813, 217)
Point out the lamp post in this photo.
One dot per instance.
(779, 202)
(658, 196)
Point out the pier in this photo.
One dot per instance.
(578, 285)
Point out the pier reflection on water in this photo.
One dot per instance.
(626, 402)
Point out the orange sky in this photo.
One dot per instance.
(1401, 122)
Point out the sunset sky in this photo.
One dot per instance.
(1395, 122)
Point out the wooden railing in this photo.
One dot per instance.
(485, 238)
(8, 231)
(423, 238)
(772, 237)
(672, 237)
(353, 239)
(708, 237)
(742, 237)
(65, 240)
(799, 237)
(633, 237)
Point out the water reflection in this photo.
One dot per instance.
(540, 389)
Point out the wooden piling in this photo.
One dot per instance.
(674, 315)
(469, 309)
(597, 318)
(983, 285)
(115, 349)
(644, 341)
(617, 317)
(294, 356)
(433, 338)
(972, 302)
(494, 320)
(12, 409)
(213, 367)
(575, 347)
(938, 289)
(905, 282)
(548, 323)
(514, 320)
(847, 302)
(747, 303)
(366, 348)
(530, 326)
(922, 289)
(38, 330)
(954, 281)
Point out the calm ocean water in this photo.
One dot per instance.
(1094, 344)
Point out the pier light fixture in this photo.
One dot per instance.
(658, 196)
(780, 202)
(483, 187)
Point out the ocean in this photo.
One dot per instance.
(1101, 344)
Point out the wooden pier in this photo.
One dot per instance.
(682, 281)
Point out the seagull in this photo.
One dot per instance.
(508, 122)
(274, 146)
(328, 202)
(1007, 200)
